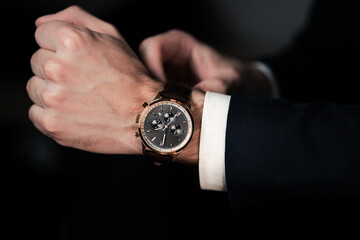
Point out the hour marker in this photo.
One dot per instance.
(153, 114)
(179, 139)
(161, 109)
(170, 108)
(153, 139)
(184, 121)
(170, 143)
(148, 130)
(159, 113)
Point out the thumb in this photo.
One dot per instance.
(77, 16)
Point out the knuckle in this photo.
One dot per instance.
(50, 123)
(176, 32)
(51, 98)
(179, 34)
(144, 44)
(111, 29)
(53, 69)
(71, 38)
(74, 9)
(149, 43)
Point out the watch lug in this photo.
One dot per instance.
(175, 155)
(145, 104)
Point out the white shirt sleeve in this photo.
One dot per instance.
(213, 135)
(212, 142)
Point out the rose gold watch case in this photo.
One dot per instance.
(140, 121)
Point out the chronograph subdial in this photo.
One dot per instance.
(157, 124)
(176, 129)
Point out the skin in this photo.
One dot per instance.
(89, 85)
(176, 55)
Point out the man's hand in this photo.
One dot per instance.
(78, 17)
(176, 55)
(88, 84)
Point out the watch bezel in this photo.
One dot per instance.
(143, 115)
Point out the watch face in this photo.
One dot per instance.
(166, 126)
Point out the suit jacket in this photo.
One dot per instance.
(303, 152)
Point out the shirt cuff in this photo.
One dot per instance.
(212, 142)
(262, 67)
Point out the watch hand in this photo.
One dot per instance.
(163, 139)
(167, 125)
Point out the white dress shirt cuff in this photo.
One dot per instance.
(212, 142)
(213, 134)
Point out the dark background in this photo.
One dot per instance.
(52, 192)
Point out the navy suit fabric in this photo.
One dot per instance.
(306, 145)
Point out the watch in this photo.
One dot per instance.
(166, 124)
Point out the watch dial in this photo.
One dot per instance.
(166, 126)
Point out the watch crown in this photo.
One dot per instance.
(145, 104)
(137, 134)
(137, 118)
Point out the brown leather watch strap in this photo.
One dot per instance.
(176, 90)
(159, 158)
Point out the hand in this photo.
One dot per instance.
(78, 17)
(88, 84)
(176, 55)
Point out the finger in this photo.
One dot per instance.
(173, 46)
(77, 16)
(35, 86)
(39, 62)
(36, 114)
(150, 52)
(47, 35)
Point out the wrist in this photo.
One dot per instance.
(147, 91)
(190, 155)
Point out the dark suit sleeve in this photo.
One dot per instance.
(281, 148)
